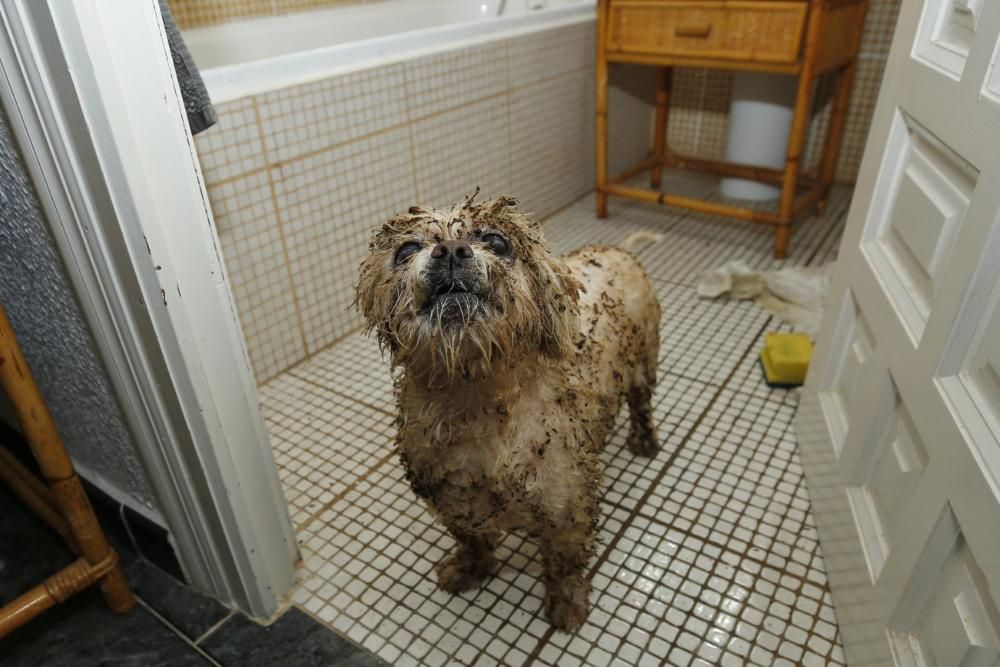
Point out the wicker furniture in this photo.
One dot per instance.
(806, 38)
(60, 500)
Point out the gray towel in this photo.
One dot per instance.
(200, 113)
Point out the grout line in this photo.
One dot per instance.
(337, 392)
(510, 127)
(767, 464)
(408, 123)
(409, 136)
(215, 627)
(701, 109)
(187, 640)
(281, 229)
(830, 232)
(311, 518)
(308, 357)
(800, 484)
(649, 491)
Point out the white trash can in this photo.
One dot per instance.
(760, 117)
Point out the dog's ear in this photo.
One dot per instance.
(554, 291)
(558, 298)
(371, 298)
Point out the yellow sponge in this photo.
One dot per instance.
(785, 359)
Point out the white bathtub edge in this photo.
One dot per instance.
(233, 82)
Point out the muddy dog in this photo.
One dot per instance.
(514, 364)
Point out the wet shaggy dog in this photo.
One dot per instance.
(514, 364)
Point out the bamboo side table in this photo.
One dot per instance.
(806, 38)
(61, 502)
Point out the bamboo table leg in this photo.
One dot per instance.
(601, 123)
(57, 469)
(797, 134)
(800, 120)
(660, 127)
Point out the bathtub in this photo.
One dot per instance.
(254, 55)
(331, 121)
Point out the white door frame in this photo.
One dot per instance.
(93, 101)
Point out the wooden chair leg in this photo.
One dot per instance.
(57, 468)
(660, 127)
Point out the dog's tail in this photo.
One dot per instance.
(636, 241)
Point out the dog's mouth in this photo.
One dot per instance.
(453, 301)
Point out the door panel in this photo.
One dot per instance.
(899, 424)
(947, 32)
(909, 238)
(948, 617)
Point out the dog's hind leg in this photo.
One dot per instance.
(469, 564)
(642, 438)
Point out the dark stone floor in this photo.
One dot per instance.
(171, 624)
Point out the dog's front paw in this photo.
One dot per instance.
(566, 613)
(459, 572)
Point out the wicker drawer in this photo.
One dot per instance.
(748, 30)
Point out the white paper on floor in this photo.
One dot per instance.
(794, 294)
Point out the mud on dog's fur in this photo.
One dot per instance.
(514, 364)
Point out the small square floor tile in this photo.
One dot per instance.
(707, 554)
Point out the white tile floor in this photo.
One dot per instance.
(708, 554)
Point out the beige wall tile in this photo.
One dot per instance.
(538, 56)
(868, 81)
(820, 107)
(257, 268)
(880, 23)
(288, 6)
(315, 116)
(200, 13)
(454, 78)
(685, 105)
(631, 90)
(714, 125)
(232, 146)
(458, 150)
(329, 204)
(197, 13)
(552, 142)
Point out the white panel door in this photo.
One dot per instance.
(899, 424)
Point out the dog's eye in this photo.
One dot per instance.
(406, 251)
(496, 243)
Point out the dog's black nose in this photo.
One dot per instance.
(457, 250)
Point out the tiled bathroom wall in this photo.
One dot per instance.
(299, 177)
(199, 13)
(700, 104)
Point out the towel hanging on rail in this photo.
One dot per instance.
(200, 112)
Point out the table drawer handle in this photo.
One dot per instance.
(693, 30)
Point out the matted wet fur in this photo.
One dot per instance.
(514, 364)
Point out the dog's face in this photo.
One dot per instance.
(455, 291)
